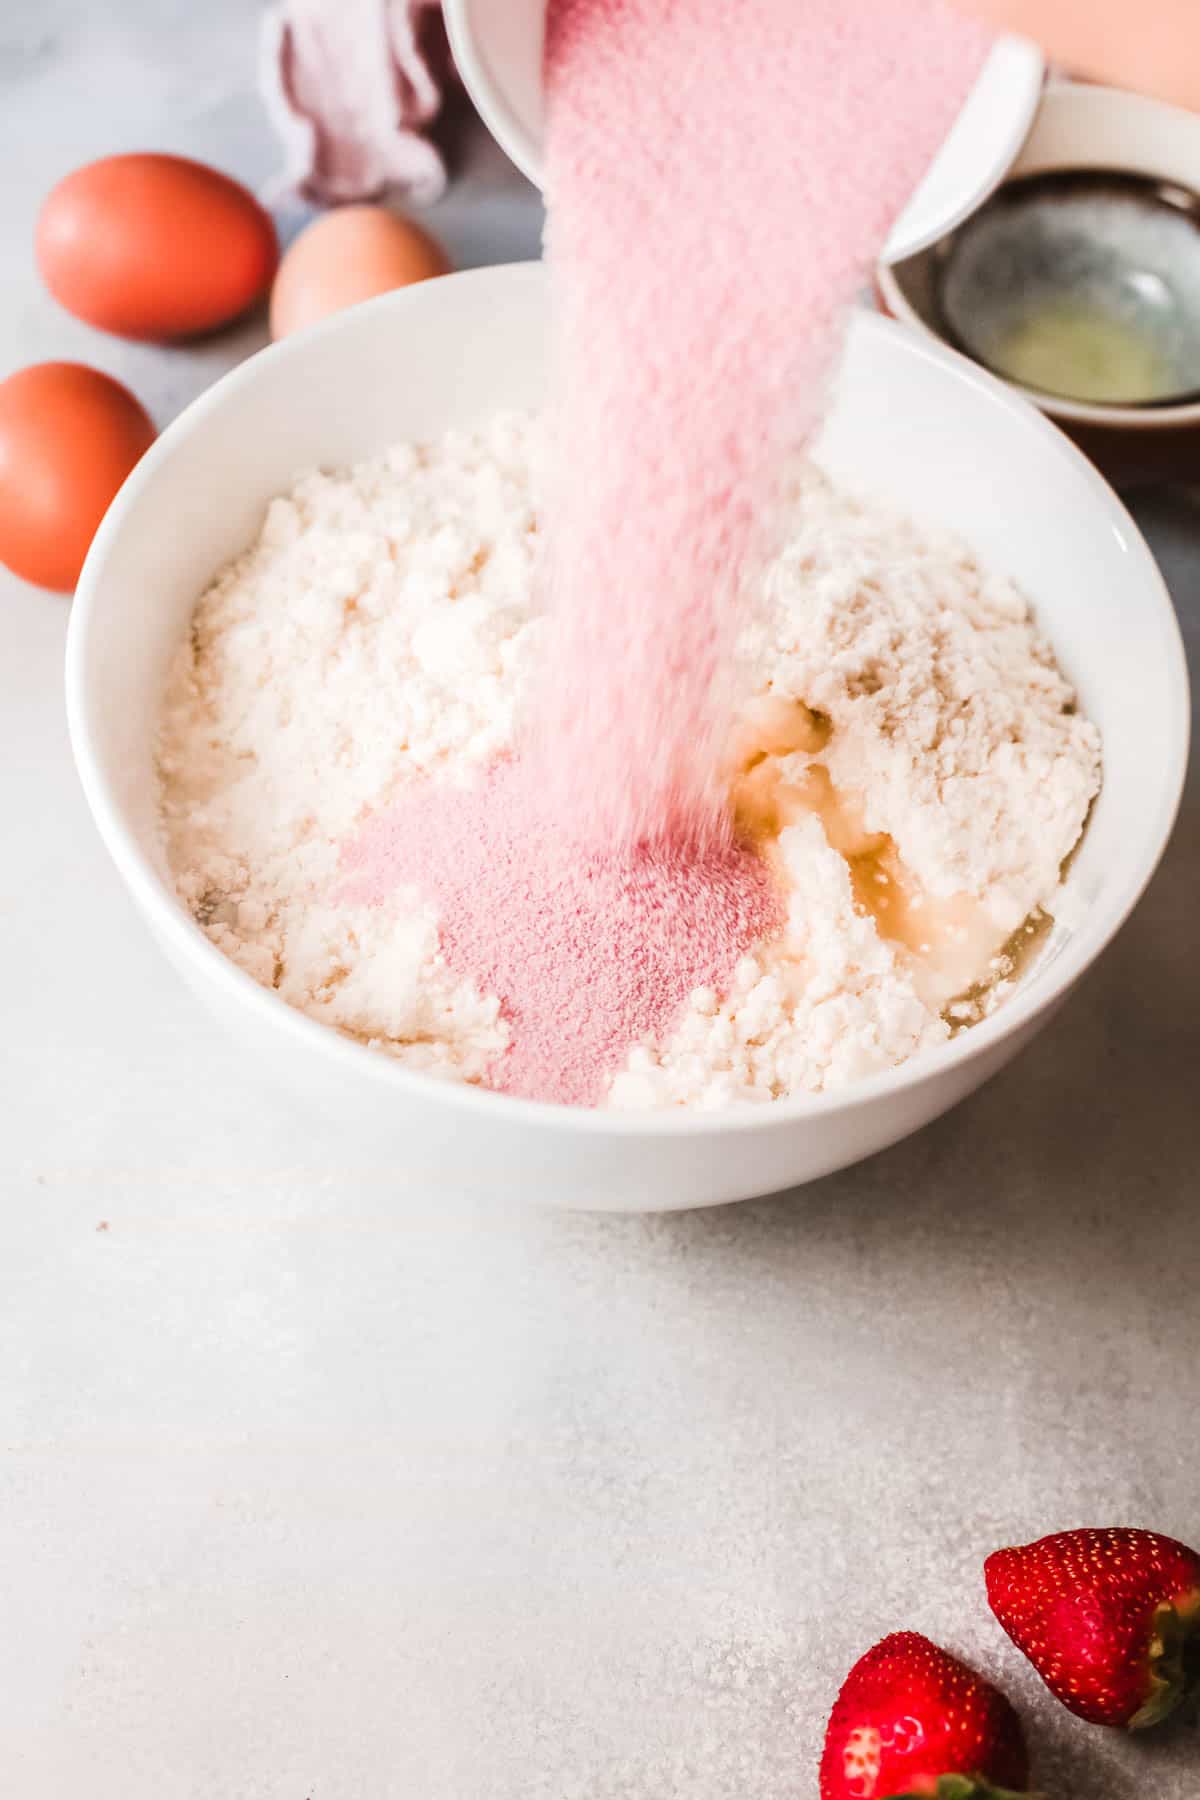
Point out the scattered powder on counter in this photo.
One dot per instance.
(720, 176)
(381, 636)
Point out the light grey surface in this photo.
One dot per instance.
(307, 1492)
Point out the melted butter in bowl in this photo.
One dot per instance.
(1080, 284)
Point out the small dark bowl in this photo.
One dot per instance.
(1106, 144)
(1081, 283)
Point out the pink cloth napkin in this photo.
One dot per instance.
(351, 86)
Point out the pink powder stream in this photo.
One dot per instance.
(720, 176)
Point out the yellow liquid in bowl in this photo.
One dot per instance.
(1081, 353)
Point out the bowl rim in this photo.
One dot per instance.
(168, 917)
(489, 96)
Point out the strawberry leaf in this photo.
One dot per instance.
(1173, 1660)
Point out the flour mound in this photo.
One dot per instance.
(380, 627)
(381, 632)
(827, 1003)
(950, 716)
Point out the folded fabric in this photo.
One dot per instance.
(351, 86)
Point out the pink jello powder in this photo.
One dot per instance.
(720, 176)
(588, 952)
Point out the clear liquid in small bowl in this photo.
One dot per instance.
(1083, 285)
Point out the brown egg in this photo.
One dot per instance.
(347, 256)
(155, 247)
(68, 438)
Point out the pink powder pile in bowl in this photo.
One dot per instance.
(917, 427)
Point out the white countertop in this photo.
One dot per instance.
(310, 1494)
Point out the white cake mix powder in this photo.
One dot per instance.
(911, 753)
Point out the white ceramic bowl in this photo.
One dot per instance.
(922, 427)
(498, 47)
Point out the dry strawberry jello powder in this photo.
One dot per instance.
(720, 175)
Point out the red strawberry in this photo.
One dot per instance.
(912, 1720)
(1109, 1619)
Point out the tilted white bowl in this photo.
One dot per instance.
(915, 424)
(498, 47)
